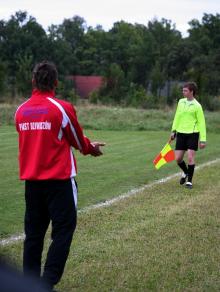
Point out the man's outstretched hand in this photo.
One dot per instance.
(96, 148)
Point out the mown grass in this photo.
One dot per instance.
(165, 238)
(126, 164)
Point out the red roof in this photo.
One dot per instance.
(86, 84)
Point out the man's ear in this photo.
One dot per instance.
(56, 83)
(33, 82)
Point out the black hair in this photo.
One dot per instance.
(192, 86)
(45, 76)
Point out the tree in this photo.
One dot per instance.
(23, 43)
(23, 74)
(132, 56)
(96, 53)
(115, 87)
(71, 34)
(3, 78)
(158, 78)
(204, 66)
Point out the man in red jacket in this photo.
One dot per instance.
(48, 129)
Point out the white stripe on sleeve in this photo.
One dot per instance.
(66, 120)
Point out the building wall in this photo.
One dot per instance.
(86, 84)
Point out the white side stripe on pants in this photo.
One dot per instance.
(74, 191)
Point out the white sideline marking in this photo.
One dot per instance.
(14, 238)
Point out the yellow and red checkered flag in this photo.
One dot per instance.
(166, 155)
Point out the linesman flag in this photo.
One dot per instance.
(166, 155)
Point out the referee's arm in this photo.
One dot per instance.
(201, 125)
(175, 122)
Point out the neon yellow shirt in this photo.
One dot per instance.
(189, 118)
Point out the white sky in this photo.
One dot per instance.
(105, 13)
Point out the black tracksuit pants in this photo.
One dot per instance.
(55, 201)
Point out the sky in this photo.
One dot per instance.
(105, 13)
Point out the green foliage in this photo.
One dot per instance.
(157, 80)
(115, 86)
(137, 97)
(3, 76)
(215, 104)
(176, 94)
(23, 73)
(94, 97)
(148, 56)
(204, 65)
(210, 103)
(65, 90)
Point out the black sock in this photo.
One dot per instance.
(183, 166)
(190, 172)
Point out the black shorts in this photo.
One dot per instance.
(187, 141)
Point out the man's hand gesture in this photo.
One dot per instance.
(96, 148)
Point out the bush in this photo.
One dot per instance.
(65, 90)
(176, 94)
(138, 97)
(211, 103)
(7, 112)
(94, 97)
(208, 102)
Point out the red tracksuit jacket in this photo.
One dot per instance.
(47, 128)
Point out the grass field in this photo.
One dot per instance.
(126, 164)
(162, 239)
(165, 238)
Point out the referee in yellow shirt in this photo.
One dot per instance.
(189, 129)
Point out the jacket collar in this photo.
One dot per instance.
(36, 93)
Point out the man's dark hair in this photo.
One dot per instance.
(44, 76)
(192, 86)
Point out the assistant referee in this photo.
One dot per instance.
(189, 129)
